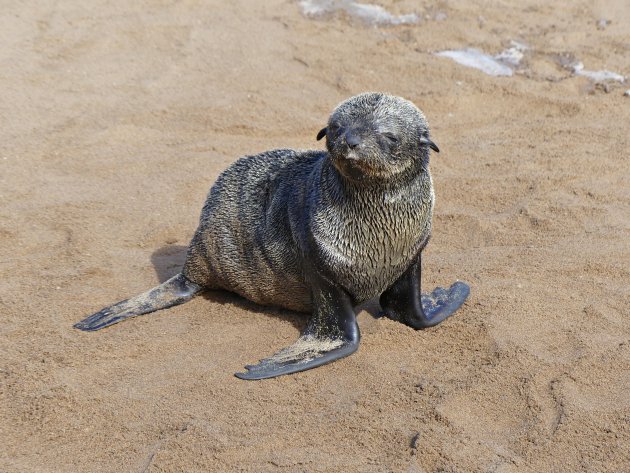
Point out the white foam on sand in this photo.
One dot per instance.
(477, 59)
(370, 13)
(503, 64)
(597, 76)
(513, 55)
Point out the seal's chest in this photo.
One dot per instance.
(368, 245)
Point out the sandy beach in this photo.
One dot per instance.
(117, 117)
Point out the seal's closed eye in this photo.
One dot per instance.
(391, 138)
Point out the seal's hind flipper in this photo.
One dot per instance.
(404, 302)
(332, 333)
(176, 290)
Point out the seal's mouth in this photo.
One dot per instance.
(358, 167)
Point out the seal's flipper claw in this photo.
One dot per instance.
(307, 353)
(176, 290)
(404, 302)
(103, 318)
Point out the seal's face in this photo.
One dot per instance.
(375, 136)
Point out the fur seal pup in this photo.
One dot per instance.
(319, 232)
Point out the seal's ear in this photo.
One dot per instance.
(432, 145)
(321, 133)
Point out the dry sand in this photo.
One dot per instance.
(116, 119)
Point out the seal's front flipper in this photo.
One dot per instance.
(176, 290)
(308, 352)
(404, 302)
(332, 333)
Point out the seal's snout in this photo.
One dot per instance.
(353, 140)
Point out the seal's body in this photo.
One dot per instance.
(283, 211)
(319, 232)
(251, 251)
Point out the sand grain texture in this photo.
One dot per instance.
(117, 118)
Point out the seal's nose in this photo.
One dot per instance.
(352, 138)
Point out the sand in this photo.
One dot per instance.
(118, 116)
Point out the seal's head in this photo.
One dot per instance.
(374, 136)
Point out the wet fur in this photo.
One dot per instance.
(358, 217)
